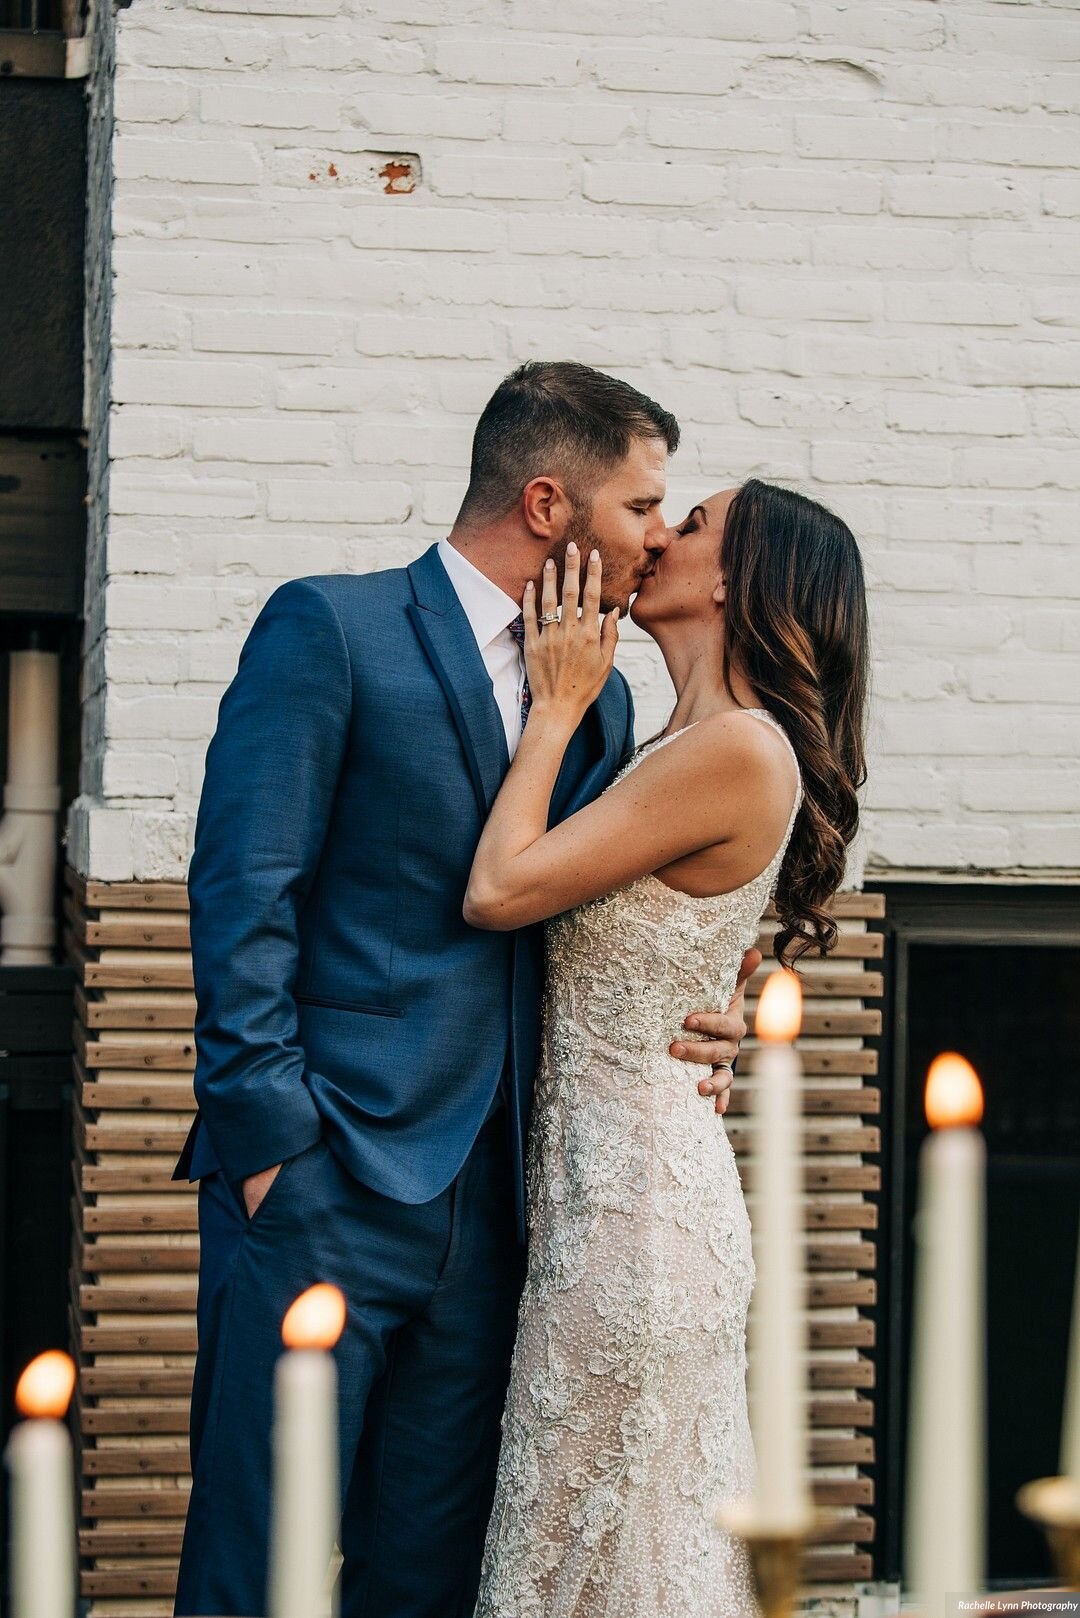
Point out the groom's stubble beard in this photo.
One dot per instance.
(616, 590)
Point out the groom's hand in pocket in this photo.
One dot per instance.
(256, 1186)
(724, 1031)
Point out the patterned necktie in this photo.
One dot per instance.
(517, 629)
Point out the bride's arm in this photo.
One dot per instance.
(668, 806)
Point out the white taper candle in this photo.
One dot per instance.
(307, 1498)
(945, 1506)
(39, 1462)
(777, 1322)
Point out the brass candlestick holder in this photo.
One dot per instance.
(1055, 1504)
(775, 1554)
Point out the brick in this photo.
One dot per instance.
(986, 414)
(1035, 253)
(793, 190)
(222, 48)
(148, 325)
(927, 466)
(946, 196)
(670, 69)
(265, 331)
(281, 107)
(924, 681)
(940, 844)
(488, 61)
(131, 604)
(1017, 466)
(879, 27)
(786, 404)
(426, 230)
(173, 494)
(181, 270)
(866, 248)
(337, 500)
(339, 53)
(918, 571)
(962, 731)
(1035, 679)
(723, 132)
(906, 786)
(668, 185)
(337, 388)
(424, 339)
(839, 354)
(265, 440)
(544, 121)
(954, 303)
(1048, 363)
(508, 178)
(1043, 844)
(138, 773)
(1039, 35)
(150, 100)
(415, 115)
(580, 236)
(858, 140)
(807, 300)
(1049, 571)
(152, 435)
(1019, 142)
(140, 380)
(186, 162)
(737, 243)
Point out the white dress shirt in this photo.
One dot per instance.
(489, 610)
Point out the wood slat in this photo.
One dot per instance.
(848, 983)
(118, 1008)
(841, 1451)
(115, 1423)
(137, 1095)
(848, 1412)
(148, 1460)
(143, 1051)
(856, 1373)
(814, 1139)
(845, 906)
(848, 946)
(123, 1139)
(820, 1569)
(840, 1255)
(857, 1491)
(850, 1064)
(127, 895)
(103, 1258)
(130, 1539)
(135, 1504)
(132, 1581)
(178, 1299)
(122, 1382)
(817, 1101)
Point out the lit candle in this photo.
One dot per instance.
(777, 1321)
(1070, 1427)
(946, 1461)
(42, 1492)
(307, 1503)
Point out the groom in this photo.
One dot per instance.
(365, 1058)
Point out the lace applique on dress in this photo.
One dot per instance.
(626, 1417)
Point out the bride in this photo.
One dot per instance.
(626, 1416)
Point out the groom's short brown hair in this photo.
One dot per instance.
(560, 418)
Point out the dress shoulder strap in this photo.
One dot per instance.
(771, 719)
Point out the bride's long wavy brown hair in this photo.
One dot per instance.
(795, 625)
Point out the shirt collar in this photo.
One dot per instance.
(488, 609)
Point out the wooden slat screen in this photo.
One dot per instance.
(135, 1255)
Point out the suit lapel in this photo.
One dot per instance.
(598, 739)
(445, 633)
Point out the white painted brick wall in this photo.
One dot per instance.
(839, 239)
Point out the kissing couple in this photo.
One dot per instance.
(469, 971)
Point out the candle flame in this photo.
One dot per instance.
(779, 1012)
(315, 1319)
(46, 1385)
(953, 1092)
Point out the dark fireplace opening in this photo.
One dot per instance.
(994, 974)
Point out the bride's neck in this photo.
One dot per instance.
(694, 656)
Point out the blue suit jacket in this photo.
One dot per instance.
(357, 754)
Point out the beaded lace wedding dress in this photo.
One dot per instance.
(626, 1417)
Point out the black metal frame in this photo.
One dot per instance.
(985, 914)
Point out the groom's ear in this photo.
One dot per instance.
(546, 508)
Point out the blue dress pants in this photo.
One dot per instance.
(424, 1360)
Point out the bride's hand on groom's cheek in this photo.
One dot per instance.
(724, 1031)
